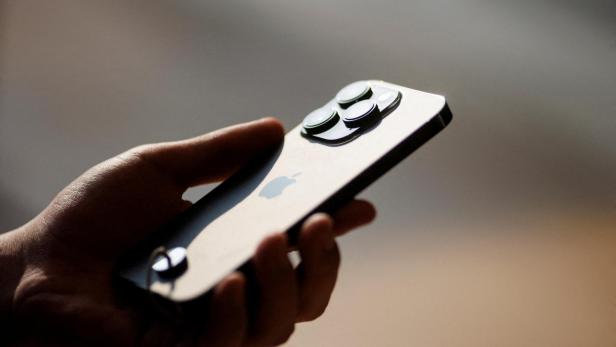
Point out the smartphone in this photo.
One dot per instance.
(333, 154)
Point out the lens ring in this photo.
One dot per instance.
(320, 120)
(352, 93)
(361, 114)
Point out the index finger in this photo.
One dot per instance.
(214, 156)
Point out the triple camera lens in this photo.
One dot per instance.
(355, 107)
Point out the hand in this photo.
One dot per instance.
(65, 257)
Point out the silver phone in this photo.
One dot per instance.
(335, 152)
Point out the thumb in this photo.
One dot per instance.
(214, 156)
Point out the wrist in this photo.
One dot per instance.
(13, 266)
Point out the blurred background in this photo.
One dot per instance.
(501, 231)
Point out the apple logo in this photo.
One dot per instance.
(276, 186)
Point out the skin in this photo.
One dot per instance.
(57, 270)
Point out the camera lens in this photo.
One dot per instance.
(361, 114)
(320, 120)
(352, 93)
(173, 264)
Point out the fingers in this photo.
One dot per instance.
(228, 317)
(214, 156)
(274, 318)
(356, 213)
(285, 295)
(318, 270)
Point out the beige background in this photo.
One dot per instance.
(499, 232)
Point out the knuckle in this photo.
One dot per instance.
(139, 152)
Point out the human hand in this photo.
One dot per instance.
(60, 281)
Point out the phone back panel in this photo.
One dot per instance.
(221, 232)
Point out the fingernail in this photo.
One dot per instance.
(280, 260)
(237, 295)
(329, 243)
